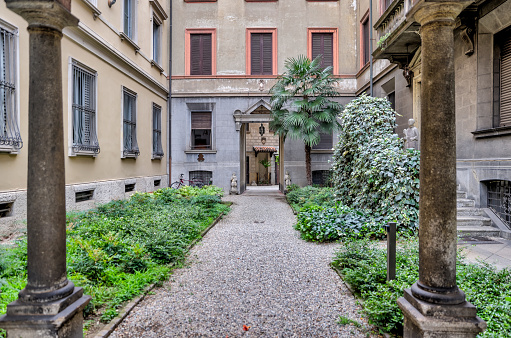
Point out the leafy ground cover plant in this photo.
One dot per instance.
(309, 196)
(116, 250)
(371, 171)
(363, 266)
(321, 224)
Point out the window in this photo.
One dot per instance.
(261, 51)
(391, 97)
(364, 43)
(156, 40)
(321, 177)
(205, 176)
(157, 147)
(84, 111)
(324, 42)
(129, 19)
(200, 52)
(130, 146)
(502, 79)
(10, 137)
(201, 130)
(82, 196)
(325, 142)
(499, 199)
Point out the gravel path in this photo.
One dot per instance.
(251, 269)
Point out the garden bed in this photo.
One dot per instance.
(362, 264)
(116, 251)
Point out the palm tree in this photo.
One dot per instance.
(300, 102)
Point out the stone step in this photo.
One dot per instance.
(461, 194)
(467, 221)
(479, 231)
(465, 211)
(464, 203)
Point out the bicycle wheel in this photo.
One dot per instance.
(176, 185)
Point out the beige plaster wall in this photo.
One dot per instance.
(117, 65)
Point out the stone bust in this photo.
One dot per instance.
(411, 136)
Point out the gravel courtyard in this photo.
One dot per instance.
(251, 269)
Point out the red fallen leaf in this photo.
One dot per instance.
(245, 328)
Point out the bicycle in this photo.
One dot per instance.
(194, 182)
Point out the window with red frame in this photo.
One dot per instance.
(365, 41)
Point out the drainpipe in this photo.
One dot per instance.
(371, 47)
(169, 99)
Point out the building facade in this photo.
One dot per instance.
(482, 61)
(115, 103)
(226, 56)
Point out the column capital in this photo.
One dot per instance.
(53, 14)
(428, 11)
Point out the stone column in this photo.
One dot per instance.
(49, 305)
(435, 306)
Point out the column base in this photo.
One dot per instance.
(428, 320)
(62, 318)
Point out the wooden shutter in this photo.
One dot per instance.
(200, 54)
(255, 54)
(505, 82)
(261, 54)
(365, 29)
(322, 44)
(201, 120)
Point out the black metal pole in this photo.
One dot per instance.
(391, 251)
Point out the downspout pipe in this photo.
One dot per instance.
(371, 47)
(169, 100)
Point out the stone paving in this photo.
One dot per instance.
(251, 270)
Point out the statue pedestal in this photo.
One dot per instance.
(61, 318)
(424, 319)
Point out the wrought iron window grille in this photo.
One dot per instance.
(499, 200)
(157, 145)
(10, 135)
(130, 145)
(84, 111)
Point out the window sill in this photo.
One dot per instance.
(83, 153)
(157, 157)
(95, 11)
(157, 66)
(130, 154)
(492, 132)
(200, 151)
(123, 37)
(9, 150)
(322, 151)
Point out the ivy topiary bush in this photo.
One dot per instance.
(371, 170)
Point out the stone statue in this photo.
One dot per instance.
(234, 184)
(287, 179)
(411, 136)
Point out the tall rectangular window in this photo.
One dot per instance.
(322, 44)
(130, 146)
(157, 146)
(200, 54)
(365, 42)
(201, 130)
(261, 54)
(10, 137)
(502, 79)
(325, 142)
(156, 40)
(84, 110)
(129, 18)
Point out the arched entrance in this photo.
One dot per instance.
(249, 122)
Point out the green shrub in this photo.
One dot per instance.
(363, 265)
(321, 224)
(310, 196)
(117, 249)
(371, 171)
